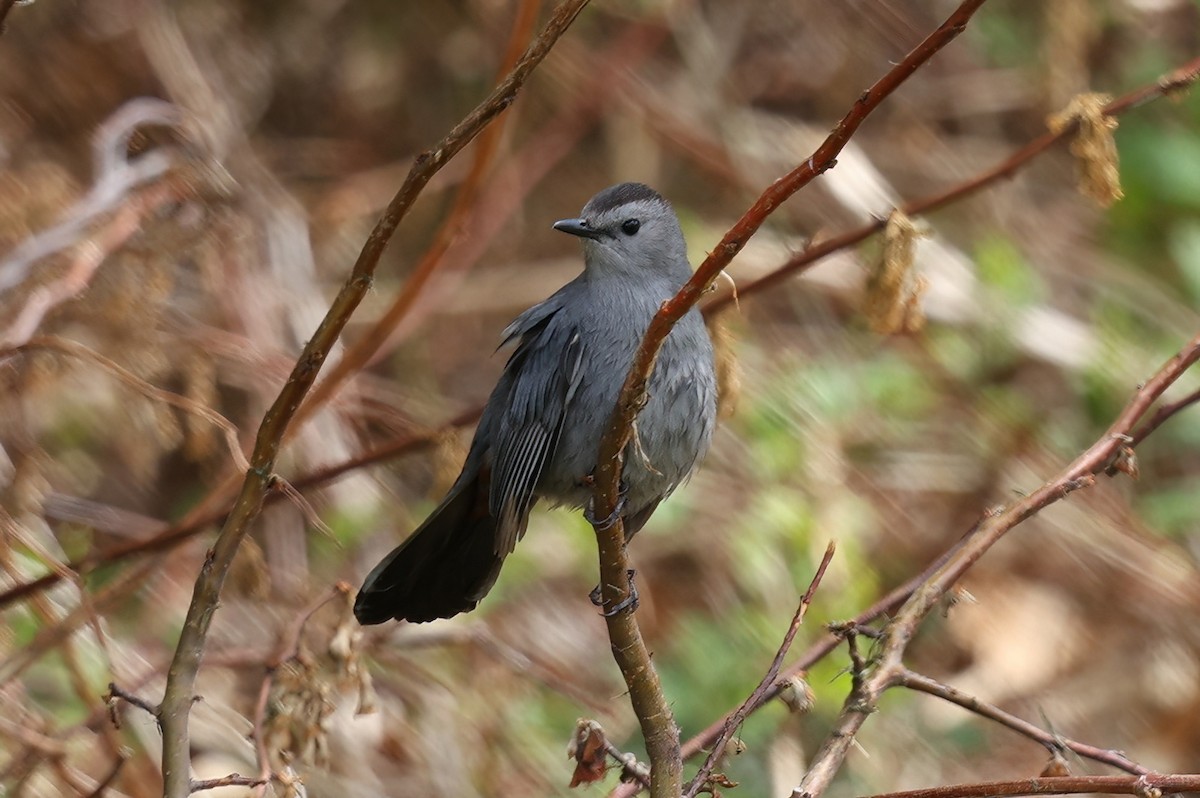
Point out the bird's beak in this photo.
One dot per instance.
(577, 227)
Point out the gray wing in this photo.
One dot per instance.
(531, 402)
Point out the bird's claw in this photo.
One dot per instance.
(630, 601)
(605, 524)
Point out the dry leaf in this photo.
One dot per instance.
(1094, 148)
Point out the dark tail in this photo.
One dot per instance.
(444, 568)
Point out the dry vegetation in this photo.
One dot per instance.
(184, 188)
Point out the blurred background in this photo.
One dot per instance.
(164, 258)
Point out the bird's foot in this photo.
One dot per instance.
(631, 601)
(604, 524)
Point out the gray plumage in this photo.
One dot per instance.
(541, 428)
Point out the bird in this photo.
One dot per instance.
(540, 431)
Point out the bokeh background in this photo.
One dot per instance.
(203, 279)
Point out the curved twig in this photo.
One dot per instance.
(650, 705)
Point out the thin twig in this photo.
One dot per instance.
(1078, 475)
(735, 720)
(1163, 413)
(631, 769)
(131, 698)
(1061, 785)
(1053, 742)
(181, 677)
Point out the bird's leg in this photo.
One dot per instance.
(631, 600)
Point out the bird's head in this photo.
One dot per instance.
(630, 230)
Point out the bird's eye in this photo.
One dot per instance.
(630, 226)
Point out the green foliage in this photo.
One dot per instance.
(1002, 268)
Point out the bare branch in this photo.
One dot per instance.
(181, 676)
(1146, 785)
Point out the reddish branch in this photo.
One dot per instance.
(1060, 785)
(650, 705)
(181, 677)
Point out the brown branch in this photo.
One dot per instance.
(650, 705)
(1173, 81)
(1146, 785)
(1053, 742)
(181, 676)
(1079, 474)
(815, 653)
(735, 720)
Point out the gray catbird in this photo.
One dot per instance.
(540, 431)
